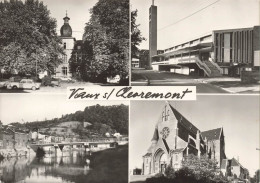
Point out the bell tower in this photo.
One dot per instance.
(152, 32)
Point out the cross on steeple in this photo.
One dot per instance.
(66, 13)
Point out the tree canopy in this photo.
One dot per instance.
(106, 40)
(102, 118)
(28, 37)
(136, 36)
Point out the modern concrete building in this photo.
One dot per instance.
(223, 52)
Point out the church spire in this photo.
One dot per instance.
(66, 18)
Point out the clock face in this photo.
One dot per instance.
(165, 132)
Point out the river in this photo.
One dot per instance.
(70, 167)
(106, 166)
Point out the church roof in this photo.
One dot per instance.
(178, 150)
(147, 154)
(155, 134)
(184, 121)
(212, 134)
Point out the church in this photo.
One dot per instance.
(175, 137)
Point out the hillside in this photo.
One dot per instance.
(101, 119)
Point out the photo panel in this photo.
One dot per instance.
(51, 139)
(207, 44)
(214, 137)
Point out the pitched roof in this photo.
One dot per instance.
(212, 134)
(147, 154)
(184, 121)
(155, 135)
(178, 150)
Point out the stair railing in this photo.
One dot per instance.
(200, 64)
(216, 65)
(203, 66)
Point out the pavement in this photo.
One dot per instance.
(138, 178)
(203, 85)
(233, 85)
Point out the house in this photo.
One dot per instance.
(232, 168)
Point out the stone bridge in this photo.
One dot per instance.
(87, 145)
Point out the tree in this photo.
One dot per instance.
(107, 33)
(28, 39)
(136, 36)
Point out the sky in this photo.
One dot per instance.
(238, 115)
(224, 14)
(27, 108)
(78, 12)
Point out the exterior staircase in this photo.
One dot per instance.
(210, 68)
(214, 68)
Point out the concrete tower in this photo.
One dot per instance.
(152, 32)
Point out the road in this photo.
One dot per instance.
(156, 78)
(46, 89)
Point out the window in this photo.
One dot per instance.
(65, 71)
(176, 157)
(64, 58)
(64, 45)
(163, 116)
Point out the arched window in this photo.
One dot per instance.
(64, 45)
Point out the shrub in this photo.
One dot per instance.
(161, 179)
(169, 172)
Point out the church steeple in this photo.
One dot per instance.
(66, 30)
(66, 19)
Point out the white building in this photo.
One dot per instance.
(68, 42)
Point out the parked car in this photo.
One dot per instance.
(3, 84)
(64, 78)
(114, 79)
(24, 84)
(48, 81)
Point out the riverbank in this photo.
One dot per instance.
(9, 153)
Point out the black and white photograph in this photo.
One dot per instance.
(52, 140)
(49, 45)
(211, 44)
(213, 139)
(129, 91)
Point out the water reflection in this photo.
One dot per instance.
(71, 167)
